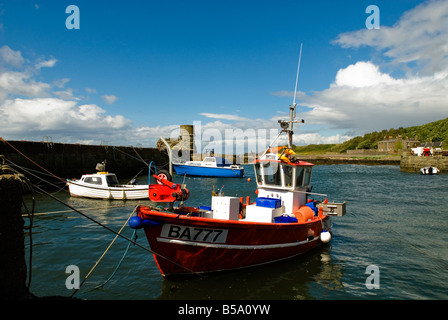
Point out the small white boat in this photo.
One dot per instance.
(429, 170)
(105, 185)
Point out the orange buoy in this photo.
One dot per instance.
(248, 179)
(304, 214)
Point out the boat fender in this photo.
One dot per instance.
(137, 223)
(325, 236)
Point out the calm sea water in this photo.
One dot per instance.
(395, 221)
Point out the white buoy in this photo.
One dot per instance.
(325, 236)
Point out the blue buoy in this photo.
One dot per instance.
(135, 222)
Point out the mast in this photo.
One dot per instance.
(287, 126)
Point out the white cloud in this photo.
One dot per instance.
(61, 117)
(224, 116)
(21, 83)
(11, 57)
(362, 74)
(65, 94)
(31, 108)
(61, 82)
(109, 98)
(362, 98)
(303, 139)
(46, 64)
(419, 36)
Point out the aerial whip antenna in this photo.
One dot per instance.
(287, 125)
(292, 109)
(297, 76)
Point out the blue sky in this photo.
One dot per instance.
(136, 70)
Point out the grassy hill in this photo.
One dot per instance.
(437, 131)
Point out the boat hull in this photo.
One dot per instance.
(220, 172)
(429, 171)
(125, 192)
(188, 245)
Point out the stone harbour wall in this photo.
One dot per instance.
(69, 161)
(415, 163)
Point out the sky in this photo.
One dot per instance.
(133, 71)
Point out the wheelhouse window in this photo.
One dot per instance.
(276, 174)
(258, 175)
(268, 173)
(303, 175)
(93, 180)
(307, 180)
(288, 174)
(111, 180)
(299, 174)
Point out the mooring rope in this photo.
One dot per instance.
(104, 253)
(27, 170)
(113, 231)
(86, 216)
(31, 160)
(89, 209)
(134, 238)
(100, 224)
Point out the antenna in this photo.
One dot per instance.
(292, 109)
(297, 77)
(287, 126)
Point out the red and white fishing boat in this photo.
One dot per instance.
(281, 223)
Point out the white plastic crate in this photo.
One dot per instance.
(261, 214)
(227, 208)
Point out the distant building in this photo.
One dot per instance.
(433, 145)
(185, 142)
(394, 144)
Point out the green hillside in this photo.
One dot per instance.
(437, 131)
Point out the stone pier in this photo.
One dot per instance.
(415, 163)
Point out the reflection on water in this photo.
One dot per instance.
(283, 280)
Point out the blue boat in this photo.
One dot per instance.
(209, 167)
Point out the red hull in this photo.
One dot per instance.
(185, 244)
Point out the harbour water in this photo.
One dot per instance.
(396, 223)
